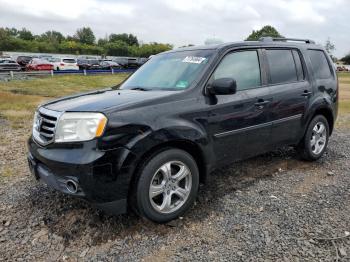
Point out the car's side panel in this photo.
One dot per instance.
(239, 126)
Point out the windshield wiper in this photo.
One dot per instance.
(139, 88)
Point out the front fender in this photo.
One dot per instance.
(143, 143)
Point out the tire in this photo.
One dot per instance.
(315, 140)
(171, 196)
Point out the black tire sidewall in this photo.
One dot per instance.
(144, 206)
(307, 145)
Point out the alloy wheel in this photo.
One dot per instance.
(170, 187)
(318, 138)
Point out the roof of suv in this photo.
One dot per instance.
(265, 41)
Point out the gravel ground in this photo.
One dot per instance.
(270, 208)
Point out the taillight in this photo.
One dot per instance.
(62, 64)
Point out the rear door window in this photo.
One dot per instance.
(281, 66)
(319, 64)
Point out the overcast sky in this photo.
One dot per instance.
(182, 22)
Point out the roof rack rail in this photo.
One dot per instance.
(283, 39)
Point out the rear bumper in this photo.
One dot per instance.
(101, 177)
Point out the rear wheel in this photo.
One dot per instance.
(315, 140)
(167, 186)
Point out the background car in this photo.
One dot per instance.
(23, 61)
(64, 63)
(9, 65)
(133, 62)
(37, 64)
(88, 64)
(5, 57)
(83, 64)
(141, 61)
(109, 64)
(45, 57)
(122, 61)
(342, 69)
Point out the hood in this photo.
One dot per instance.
(102, 100)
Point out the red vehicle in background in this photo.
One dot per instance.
(38, 65)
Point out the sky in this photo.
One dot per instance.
(183, 22)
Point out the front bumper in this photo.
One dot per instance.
(102, 177)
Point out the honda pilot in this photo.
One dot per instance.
(147, 144)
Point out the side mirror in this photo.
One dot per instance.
(222, 86)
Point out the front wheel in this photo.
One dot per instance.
(167, 186)
(315, 141)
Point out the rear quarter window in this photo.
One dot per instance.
(319, 64)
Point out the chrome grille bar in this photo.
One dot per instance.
(46, 121)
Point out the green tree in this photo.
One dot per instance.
(85, 36)
(12, 31)
(267, 30)
(3, 34)
(69, 47)
(25, 34)
(346, 59)
(330, 47)
(53, 37)
(147, 50)
(117, 48)
(83, 42)
(129, 39)
(102, 42)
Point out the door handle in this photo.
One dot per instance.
(306, 93)
(261, 103)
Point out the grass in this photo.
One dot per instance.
(61, 85)
(344, 93)
(18, 98)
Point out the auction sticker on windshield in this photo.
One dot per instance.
(193, 59)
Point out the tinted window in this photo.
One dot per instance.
(69, 61)
(241, 66)
(298, 65)
(320, 64)
(282, 66)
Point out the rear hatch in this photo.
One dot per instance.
(69, 63)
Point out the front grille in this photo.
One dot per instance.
(45, 125)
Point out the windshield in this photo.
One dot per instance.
(169, 71)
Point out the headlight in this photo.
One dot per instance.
(73, 127)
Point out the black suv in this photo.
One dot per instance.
(148, 143)
(23, 61)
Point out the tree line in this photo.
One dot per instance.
(85, 42)
(82, 42)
